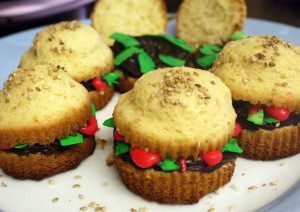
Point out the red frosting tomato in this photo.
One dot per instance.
(99, 84)
(212, 158)
(279, 113)
(144, 159)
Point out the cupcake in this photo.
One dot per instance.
(137, 55)
(201, 22)
(78, 48)
(129, 17)
(263, 74)
(47, 123)
(172, 135)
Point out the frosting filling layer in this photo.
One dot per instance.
(242, 111)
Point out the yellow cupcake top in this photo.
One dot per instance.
(261, 70)
(176, 112)
(73, 45)
(41, 103)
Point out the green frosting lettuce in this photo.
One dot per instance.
(171, 61)
(146, 63)
(257, 118)
(169, 165)
(210, 49)
(210, 52)
(232, 146)
(125, 54)
(126, 40)
(20, 146)
(121, 148)
(70, 140)
(238, 35)
(111, 78)
(270, 120)
(206, 61)
(109, 123)
(177, 41)
(94, 109)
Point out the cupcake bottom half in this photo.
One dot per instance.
(39, 166)
(125, 83)
(173, 187)
(270, 144)
(102, 98)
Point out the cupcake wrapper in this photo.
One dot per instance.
(101, 99)
(39, 166)
(173, 187)
(270, 144)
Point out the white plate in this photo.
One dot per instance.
(275, 185)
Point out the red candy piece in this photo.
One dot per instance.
(212, 158)
(118, 137)
(182, 164)
(5, 147)
(254, 109)
(144, 159)
(91, 128)
(237, 129)
(99, 84)
(278, 113)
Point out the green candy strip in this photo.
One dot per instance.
(109, 123)
(146, 63)
(210, 49)
(232, 146)
(121, 148)
(238, 35)
(171, 61)
(111, 78)
(169, 165)
(257, 118)
(70, 140)
(177, 41)
(94, 109)
(20, 146)
(126, 40)
(270, 120)
(125, 54)
(207, 60)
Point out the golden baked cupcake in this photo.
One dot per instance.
(129, 17)
(47, 123)
(201, 22)
(263, 74)
(172, 133)
(78, 48)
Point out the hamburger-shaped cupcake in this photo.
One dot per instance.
(173, 135)
(263, 74)
(47, 123)
(137, 55)
(78, 48)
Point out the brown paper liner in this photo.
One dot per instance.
(270, 144)
(102, 98)
(125, 83)
(39, 166)
(173, 187)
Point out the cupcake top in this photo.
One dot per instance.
(176, 112)
(73, 45)
(129, 17)
(201, 22)
(262, 70)
(41, 103)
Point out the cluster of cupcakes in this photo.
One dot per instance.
(190, 105)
